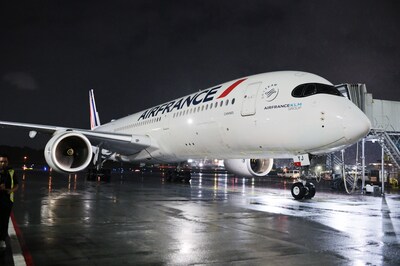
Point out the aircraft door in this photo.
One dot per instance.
(250, 98)
(166, 121)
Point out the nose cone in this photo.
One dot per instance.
(356, 125)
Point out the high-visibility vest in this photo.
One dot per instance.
(11, 172)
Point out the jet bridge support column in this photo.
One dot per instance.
(343, 167)
(383, 169)
(363, 165)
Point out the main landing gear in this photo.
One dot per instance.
(303, 189)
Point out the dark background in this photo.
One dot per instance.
(137, 54)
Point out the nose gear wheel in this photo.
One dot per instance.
(302, 190)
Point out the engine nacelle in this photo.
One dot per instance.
(249, 167)
(68, 152)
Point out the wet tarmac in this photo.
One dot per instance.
(216, 220)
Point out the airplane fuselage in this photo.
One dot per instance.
(260, 116)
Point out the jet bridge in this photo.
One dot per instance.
(385, 125)
(385, 122)
(383, 115)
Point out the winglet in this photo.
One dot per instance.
(94, 115)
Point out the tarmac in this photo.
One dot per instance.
(141, 219)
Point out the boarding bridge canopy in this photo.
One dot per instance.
(354, 92)
(383, 114)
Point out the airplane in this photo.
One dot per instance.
(246, 122)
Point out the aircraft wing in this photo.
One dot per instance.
(115, 142)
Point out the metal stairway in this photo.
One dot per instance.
(390, 142)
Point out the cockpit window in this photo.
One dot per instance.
(308, 89)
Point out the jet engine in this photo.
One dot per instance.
(249, 167)
(68, 152)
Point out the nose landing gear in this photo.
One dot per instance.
(303, 189)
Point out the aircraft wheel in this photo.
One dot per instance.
(298, 190)
(311, 190)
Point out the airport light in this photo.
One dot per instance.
(24, 167)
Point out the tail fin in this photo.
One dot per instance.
(94, 115)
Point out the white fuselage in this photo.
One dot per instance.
(253, 117)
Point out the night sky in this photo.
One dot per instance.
(137, 54)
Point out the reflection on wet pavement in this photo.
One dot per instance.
(217, 219)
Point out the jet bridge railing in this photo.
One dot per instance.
(395, 137)
(390, 142)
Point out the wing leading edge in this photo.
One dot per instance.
(125, 144)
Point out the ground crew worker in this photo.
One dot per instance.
(8, 185)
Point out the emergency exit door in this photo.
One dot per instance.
(250, 99)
